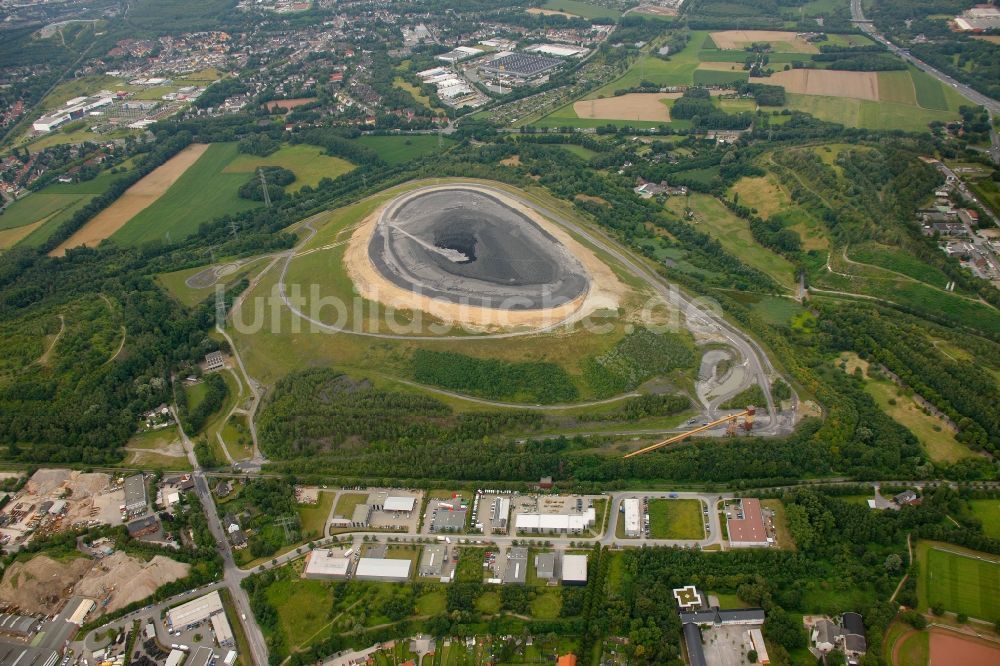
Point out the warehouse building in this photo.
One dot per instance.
(448, 520)
(203, 656)
(520, 66)
(399, 504)
(223, 632)
(574, 570)
(391, 571)
(499, 513)
(326, 564)
(195, 611)
(22, 655)
(517, 566)
(74, 109)
(633, 518)
(747, 528)
(175, 658)
(18, 625)
(432, 561)
(560, 523)
(135, 494)
(545, 566)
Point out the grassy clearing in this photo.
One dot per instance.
(584, 9)
(157, 449)
(896, 87)
(988, 511)
(414, 91)
(432, 603)
(893, 259)
(675, 519)
(488, 602)
(958, 579)
(301, 606)
(763, 193)
(398, 149)
(928, 90)
(175, 283)
(308, 163)
(202, 193)
(546, 605)
(733, 232)
(347, 502)
(313, 516)
(914, 650)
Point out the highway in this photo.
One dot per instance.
(991, 105)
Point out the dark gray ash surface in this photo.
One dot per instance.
(467, 246)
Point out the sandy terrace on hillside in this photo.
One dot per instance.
(135, 200)
(779, 40)
(633, 106)
(549, 12)
(857, 85)
(289, 103)
(42, 584)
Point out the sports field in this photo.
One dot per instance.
(949, 648)
(136, 199)
(959, 580)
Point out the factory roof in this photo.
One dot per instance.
(517, 566)
(323, 562)
(18, 625)
(369, 567)
(574, 569)
(195, 611)
(223, 632)
(545, 565)
(399, 504)
(432, 560)
(750, 528)
(202, 657)
(174, 658)
(555, 521)
(135, 490)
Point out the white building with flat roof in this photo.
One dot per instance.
(564, 523)
(398, 503)
(174, 658)
(326, 564)
(371, 568)
(633, 518)
(574, 570)
(223, 632)
(195, 611)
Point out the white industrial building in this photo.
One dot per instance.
(371, 568)
(223, 632)
(558, 50)
(323, 563)
(72, 110)
(399, 504)
(174, 658)
(195, 611)
(574, 570)
(633, 518)
(564, 523)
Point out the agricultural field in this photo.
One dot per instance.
(583, 9)
(780, 41)
(136, 199)
(34, 218)
(633, 106)
(202, 192)
(675, 519)
(959, 580)
(733, 232)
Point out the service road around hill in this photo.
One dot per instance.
(758, 367)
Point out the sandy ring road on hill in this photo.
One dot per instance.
(736, 40)
(605, 291)
(632, 106)
(133, 201)
(830, 83)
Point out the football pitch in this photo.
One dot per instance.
(962, 581)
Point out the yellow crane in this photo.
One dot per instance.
(730, 419)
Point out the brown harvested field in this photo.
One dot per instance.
(780, 41)
(722, 66)
(549, 12)
(857, 85)
(289, 103)
(11, 237)
(949, 648)
(135, 199)
(992, 39)
(633, 106)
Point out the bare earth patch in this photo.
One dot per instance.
(780, 40)
(513, 160)
(128, 580)
(633, 106)
(549, 12)
(135, 200)
(857, 85)
(289, 103)
(39, 585)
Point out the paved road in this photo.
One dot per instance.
(992, 105)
